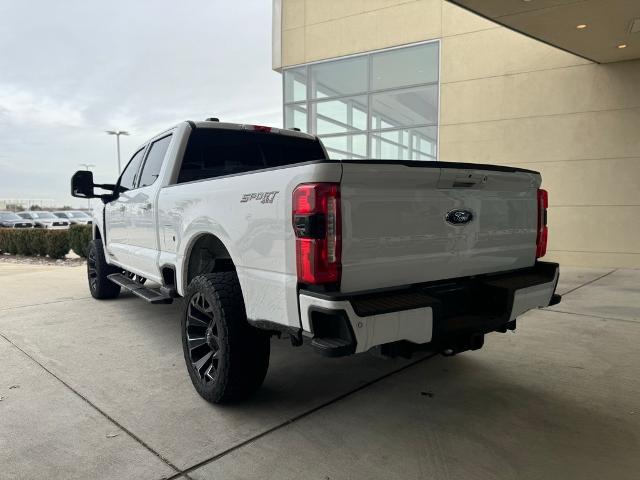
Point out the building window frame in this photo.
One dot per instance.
(310, 103)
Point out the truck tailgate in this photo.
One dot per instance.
(396, 232)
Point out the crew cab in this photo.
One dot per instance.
(261, 234)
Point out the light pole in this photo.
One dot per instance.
(87, 166)
(117, 133)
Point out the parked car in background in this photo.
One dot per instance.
(11, 220)
(75, 217)
(45, 220)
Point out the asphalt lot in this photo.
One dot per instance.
(99, 390)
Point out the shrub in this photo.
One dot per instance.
(7, 241)
(22, 241)
(57, 243)
(38, 237)
(79, 238)
(34, 241)
(3, 240)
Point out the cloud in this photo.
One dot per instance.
(23, 107)
(79, 68)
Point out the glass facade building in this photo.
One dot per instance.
(381, 104)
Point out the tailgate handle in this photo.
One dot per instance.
(468, 180)
(462, 184)
(450, 178)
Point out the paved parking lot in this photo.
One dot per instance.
(94, 389)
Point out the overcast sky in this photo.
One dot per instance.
(69, 70)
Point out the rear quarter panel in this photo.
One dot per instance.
(251, 215)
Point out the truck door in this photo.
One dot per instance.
(141, 211)
(115, 211)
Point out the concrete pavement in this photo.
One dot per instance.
(103, 393)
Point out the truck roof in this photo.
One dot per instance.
(248, 127)
(232, 126)
(210, 123)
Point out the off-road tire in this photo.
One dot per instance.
(243, 351)
(97, 270)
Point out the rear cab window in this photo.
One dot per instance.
(214, 152)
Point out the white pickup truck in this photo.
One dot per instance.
(261, 234)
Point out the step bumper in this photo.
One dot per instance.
(433, 313)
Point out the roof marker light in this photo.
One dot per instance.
(261, 128)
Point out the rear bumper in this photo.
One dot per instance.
(450, 315)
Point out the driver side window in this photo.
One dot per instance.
(130, 174)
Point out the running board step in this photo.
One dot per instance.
(148, 294)
(333, 347)
(169, 291)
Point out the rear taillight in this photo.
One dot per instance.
(543, 231)
(318, 228)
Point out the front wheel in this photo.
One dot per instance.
(97, 270)
(227, 358)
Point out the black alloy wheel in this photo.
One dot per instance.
(98, 271)
(226, 357)
(92, 271)
(202, 338)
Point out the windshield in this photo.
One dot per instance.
(9, 216)
(78, 214)
(43, 215)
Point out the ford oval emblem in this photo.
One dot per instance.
(459, 217)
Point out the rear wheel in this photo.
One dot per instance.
(97, 270)
(227, 358)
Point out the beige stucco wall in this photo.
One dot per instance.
(508, 99)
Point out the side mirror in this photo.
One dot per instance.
(82, 184)
(82, 187)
